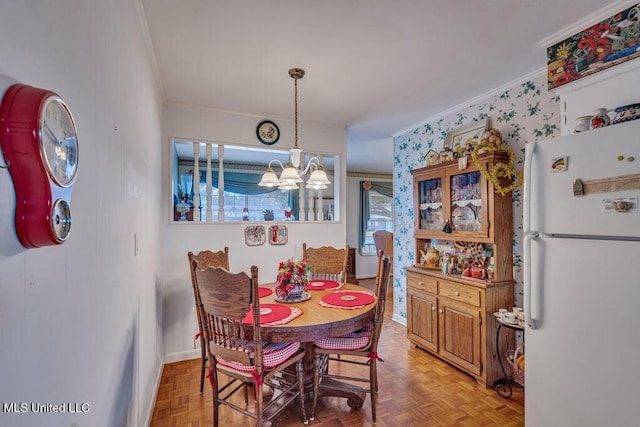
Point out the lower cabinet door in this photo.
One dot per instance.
(460, 337)
(423, 322)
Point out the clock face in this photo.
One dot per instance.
(58, 141)
(268, 132)
(61, 220)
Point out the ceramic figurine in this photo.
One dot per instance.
(446, 264)
(431, 258)
(479, 272)
(447, 227)
(446, 155)
(582, 124)
(600, 118)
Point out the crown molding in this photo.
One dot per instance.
(496, 91)
(146, 34)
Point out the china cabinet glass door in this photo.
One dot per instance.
(467, 195)
(430, 193)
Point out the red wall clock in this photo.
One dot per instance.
(40, 144)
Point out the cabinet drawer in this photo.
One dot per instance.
(459, 292)
(424, 283)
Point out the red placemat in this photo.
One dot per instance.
(263, 292)
(347, 299)
(273, 314)
(323, 285)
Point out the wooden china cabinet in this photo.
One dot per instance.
(451, 316)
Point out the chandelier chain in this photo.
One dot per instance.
(296, 112)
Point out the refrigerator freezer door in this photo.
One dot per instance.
(590, 155)
(583, 362)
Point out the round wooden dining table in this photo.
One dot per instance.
(318, 322)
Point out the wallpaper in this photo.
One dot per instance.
(523, 113)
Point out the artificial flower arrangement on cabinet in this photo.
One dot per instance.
(292, 280)
(491, 140)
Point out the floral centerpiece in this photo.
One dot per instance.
(292, 279)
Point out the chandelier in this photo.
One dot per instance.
(293, 172)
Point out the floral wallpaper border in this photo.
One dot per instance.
(523, 113)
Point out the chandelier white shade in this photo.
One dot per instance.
(269, 178)
(318, 179)
(292, 172)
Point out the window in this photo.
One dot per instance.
(256, 204)
(376, 208)
(240, 169)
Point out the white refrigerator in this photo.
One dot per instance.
(582, 279)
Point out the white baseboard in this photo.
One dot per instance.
(179, 356)
(399, 319)
(156, 386)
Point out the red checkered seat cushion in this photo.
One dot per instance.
(273, 354)
(351, 341)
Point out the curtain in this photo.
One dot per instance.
(384, 188)
(294, 203)
(186, 187)
(240, 183)
(364, 214)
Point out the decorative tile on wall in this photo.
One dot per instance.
(524, 113)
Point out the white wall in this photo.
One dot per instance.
(199, 124)
(80, 322)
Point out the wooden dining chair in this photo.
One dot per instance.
(383, 240)
(359, 348)
(205, 259)
(236, 351)
(327, 262)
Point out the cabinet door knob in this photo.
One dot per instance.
(456, 293)
(441, 311)
(433, 309)
(421, 283)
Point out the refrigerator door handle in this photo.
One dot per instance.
(529, 286)
(526, 213)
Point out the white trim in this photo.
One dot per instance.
(154, 395)
(477, 99)
(399, 319)
(180, 356)
(146, 34)
(587, 21)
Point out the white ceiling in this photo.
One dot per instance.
(376, 67)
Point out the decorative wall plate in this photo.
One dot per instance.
(278, 235)
(267, 132)
(254, 235)
(627, 113)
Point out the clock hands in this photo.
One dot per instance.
(51, 134)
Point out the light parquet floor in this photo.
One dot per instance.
(416, 389)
